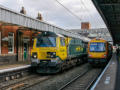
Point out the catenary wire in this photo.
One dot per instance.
(69, 10)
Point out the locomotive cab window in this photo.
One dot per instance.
(97, 47)
(46, 42)
(62, 41)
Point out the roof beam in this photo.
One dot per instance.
(109, 1)
(11, 17)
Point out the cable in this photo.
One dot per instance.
(75, 14)
(89, 14)
(68, 10)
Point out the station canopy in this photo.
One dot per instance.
(110, 12)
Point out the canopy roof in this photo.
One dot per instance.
(110, 12)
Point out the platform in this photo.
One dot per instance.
(107, 79)
(13, 67)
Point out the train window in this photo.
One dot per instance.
(62, 41)
(72, 41)
(46, 42)
(75, 41)
(97, 47)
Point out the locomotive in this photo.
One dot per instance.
(99, 52)
(53, 52)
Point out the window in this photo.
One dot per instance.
(46, 42)
(62, 41)
(97, 47)
(10, 42)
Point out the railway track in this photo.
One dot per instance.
(10, 74)
(61, 79)
(82, 81)
(23, 83)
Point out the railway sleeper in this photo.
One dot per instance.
(15, 87)
(13, 76)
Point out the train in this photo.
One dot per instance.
(53, 53)
(99, 52)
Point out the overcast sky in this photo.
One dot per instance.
(54, 13)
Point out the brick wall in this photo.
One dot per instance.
(12, 57)
(85, 25)
(4, 33)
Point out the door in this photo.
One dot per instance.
(63, 49)
(26, 51)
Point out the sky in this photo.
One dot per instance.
(53, 13)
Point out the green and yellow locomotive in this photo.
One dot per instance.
(53, 52)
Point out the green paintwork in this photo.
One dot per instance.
(76, 48)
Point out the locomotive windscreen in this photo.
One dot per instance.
(46, 42)
(97, 47)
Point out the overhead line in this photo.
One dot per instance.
(68, 10)
(96, 20)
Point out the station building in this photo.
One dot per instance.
(15, 44)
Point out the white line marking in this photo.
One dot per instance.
(113, 62)
(93, 87)
(107, 80)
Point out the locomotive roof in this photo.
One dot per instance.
(98, 40)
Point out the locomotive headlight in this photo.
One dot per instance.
(34, 55)
(54, 53)
(105, 55)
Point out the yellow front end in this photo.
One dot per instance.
(46, 58)
(43, 53)
(97, 51)
(97, 55)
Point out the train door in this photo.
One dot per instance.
(63, 49)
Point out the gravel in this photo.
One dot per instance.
(60, 79)
(85, 81)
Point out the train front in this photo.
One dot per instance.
(44, 53)
(97, 52)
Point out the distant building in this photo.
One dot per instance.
(93, 33)
(85, 25)
(15, 43)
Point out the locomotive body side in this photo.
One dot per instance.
(63, 53)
